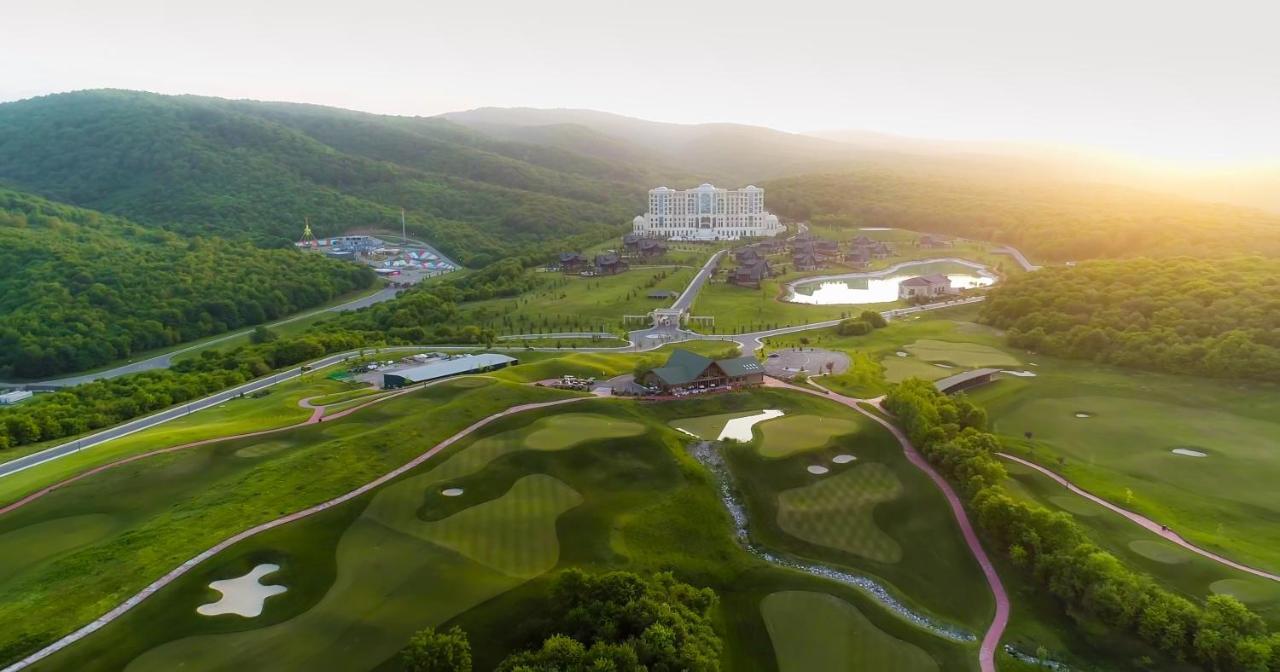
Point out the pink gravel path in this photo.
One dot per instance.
(1150, 525)
(991, 640)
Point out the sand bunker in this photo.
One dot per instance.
(1082, 414)
(739, 429)
(242, 595)
(818, 470)
(451, 492)
(843, 459)
(1021, 374)
(1189, 452)
(944, 366)
(902, 354)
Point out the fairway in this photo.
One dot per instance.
(966, 355)
(566, 430)
(898, 369)
(514, 534)
(816, 632)
(786, 436)
(40, 542)
(837, 512)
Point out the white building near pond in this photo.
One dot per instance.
(707, 213)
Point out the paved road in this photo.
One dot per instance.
(185, 567)
(1145, 522)
(163, 361)
(685, 300)
(1017, 256)
(990, 640)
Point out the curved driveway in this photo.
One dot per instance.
(991, 640)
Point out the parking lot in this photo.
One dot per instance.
(810, 361)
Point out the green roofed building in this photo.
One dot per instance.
(686, 370)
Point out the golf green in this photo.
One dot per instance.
(898, 369)
(789, 435)
(817, 632)
(836, 512)
(1249, 592)
(1160, 551)
(563, 431)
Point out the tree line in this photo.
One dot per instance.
(1055, 221)
(81, 289)
(613, 622)
(1216, 319)
(1221, 634)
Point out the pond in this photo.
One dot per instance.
(882, 286)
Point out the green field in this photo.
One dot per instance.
(576, 303)
(838, 511)
(709, 426)
(606, 485)
(279, 408)
(795, 434)
(1122, 449)
(104, 537)
(816, 632)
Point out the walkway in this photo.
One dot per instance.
(991, 640)
(1147, 523)
(187, 566)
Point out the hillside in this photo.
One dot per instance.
(255, 170)
(1055, 221)
(81, 289)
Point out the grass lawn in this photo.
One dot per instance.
(932, 569)
(1225, 502)
(709, 426)
(347, 395)
(838, 511)
(363, 576)
(795, 434)
(237, 416)
(136, 522)
(817, 632)
(576, 303)
(1195, 576)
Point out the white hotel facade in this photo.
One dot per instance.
(706, 213)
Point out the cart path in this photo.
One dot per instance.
(317, 415)
(187, 566)
(1145, 522)
(990, 640)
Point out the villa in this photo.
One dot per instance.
(706, 213)
(924, 287)
(750, 274)
(572, 262)
(610, 263)
(687, 372)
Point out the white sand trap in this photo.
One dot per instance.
(242, 595)
(843, 459)
(739, 429)
(1022, 374)
(1084, 415)
(944, 366)
(902, 354)
(874, 228)
(818, 470)
(451, 492)
(678, 429)
(1188, 452)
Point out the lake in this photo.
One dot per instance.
(882, 286)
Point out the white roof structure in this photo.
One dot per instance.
(452, 367)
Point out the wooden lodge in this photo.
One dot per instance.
(752, 274)
(610, 263)
(572, 262)
(690, 373)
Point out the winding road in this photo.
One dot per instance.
(1148, 524)
(991, 639)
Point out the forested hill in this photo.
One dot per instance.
(254, 170)
(1219, 319)
(1051, 221)
(80, 289)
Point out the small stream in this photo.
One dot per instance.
(706, 454)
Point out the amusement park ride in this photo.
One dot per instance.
(308, 238)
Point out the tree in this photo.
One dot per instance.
(431, 651)
(871, 317)
(261, 334)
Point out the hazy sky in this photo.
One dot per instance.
(1170, 79)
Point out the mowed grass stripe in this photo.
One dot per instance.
(514, 534)
(817, 632)
(837, 512)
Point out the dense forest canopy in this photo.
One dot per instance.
(1217, 318)
(81, 289)
(1047, 221)
(253, 171)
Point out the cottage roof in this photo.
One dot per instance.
(927, 280)
(685, 367)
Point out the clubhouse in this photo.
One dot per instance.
(690, 373)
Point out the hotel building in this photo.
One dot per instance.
(706, 213)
